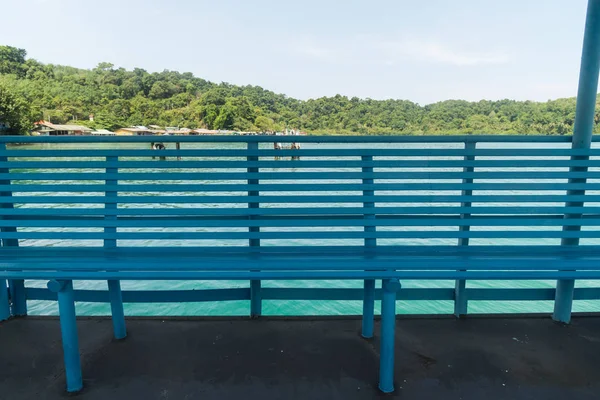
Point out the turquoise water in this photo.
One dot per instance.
(232, 308)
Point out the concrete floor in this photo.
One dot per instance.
(437, 358)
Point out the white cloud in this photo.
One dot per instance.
(436, 52)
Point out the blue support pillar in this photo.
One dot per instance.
(388, 335)
(4, 303)
(255, 284)
(582, 139)
(368, 308)
(116, 308)
(369, 284)
(114, 286)
(461, 302)
(18, 298)
(68, 328)
(255, 298)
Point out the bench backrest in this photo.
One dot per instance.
(240, 191)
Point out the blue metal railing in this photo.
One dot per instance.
(466, 148)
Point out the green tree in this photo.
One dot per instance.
(12, 61)
(15, 114)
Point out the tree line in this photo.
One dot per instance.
(31, 91)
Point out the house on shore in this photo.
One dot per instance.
(44, 128)
(138, 130)
(102, 132)
(202, 131)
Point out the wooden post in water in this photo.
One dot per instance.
(582, 139)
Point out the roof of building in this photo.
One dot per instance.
(102, 132)
(55, 127)
(203, 131)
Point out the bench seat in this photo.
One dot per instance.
(451, 262)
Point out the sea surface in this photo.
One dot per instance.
(238, 308)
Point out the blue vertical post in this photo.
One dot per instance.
(582, 139)
(114, 286)
(68, 328)
(388, 335)
(18, 299)
(4, 303)
(116, 308)
(369, 284)
(461, 301)
(255, 284)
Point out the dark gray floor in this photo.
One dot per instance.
(476, 358)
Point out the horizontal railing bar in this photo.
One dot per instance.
(425, 210)
(318, 152)
(404, 250)
(187, 199)
(207, 176)
(339, 294)
(297, 164)
(297, 187)
(384, 217)
(297, 222)
(280, 235)
(302, 275)
(291, 139)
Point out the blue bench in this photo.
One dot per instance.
(389, 209)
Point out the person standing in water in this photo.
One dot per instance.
(276, 146)
(295, 146)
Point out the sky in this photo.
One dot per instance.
(419, 50)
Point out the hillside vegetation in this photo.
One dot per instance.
(31, 90)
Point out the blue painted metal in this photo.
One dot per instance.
(116, 307)
(114, 286)
(582, 139)
(303, 275)
(460, 285)
(255, 285)
(4, 301)
(390, 194)
(388, 334)
(314, 235)
(68, 327)
(285, 293)
(369, 284)
(368, 298)
(18, 300)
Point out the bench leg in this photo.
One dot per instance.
(368, 308)
(255, 299)
(4, 304)
(19, 300)
(68, 328)
(388, 335)
(116, 307)
(460, 298)
(563, 300)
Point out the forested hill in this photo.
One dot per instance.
(118, 97)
